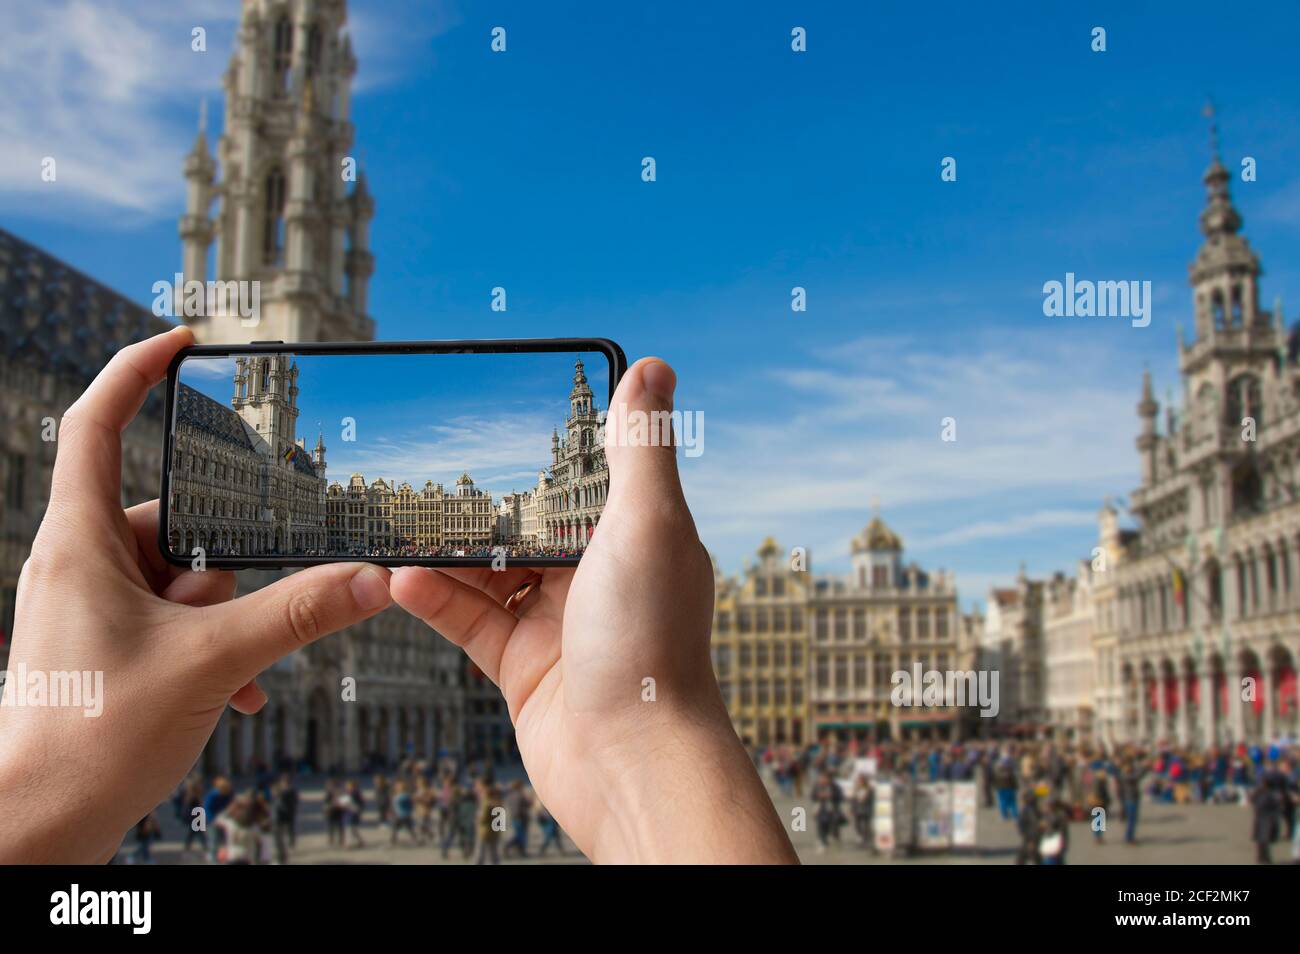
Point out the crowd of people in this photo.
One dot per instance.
(1045, 789)
(420, 804)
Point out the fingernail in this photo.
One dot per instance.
(659, 380)
(370, 588)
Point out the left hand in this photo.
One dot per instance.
(96, 596)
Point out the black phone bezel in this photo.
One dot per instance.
(613, 353)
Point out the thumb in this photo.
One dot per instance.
(639, 440)
(258, 629)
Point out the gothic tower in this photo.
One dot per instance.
(582, 424)
(266, 397)
(1233, 360)
(285, 216)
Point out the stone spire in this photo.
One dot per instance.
(288, 217)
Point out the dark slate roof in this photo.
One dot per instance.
(63, 321)
(197, 410)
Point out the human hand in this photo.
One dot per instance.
(97, 596)
(628, 779)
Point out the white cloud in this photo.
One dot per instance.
(110, 90)
(1042, 424)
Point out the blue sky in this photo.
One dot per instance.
(429, 417)
(775, 169)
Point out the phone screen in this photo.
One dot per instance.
(393, 456)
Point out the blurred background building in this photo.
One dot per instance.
(802, 658)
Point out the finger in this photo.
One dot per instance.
(201, 588)
(249, 699)
(88, 465)
(498, 584)
(466, 616)
(642, 459)
(254, 631)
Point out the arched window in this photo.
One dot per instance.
(1245, 399)
(273, 219)
(313, 50)
(282, 55)
(1236, 306)
(1216, 309)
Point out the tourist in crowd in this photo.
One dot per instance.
(519, 807)
(401, 813)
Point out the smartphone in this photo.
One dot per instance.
(428, 453)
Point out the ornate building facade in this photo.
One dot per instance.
(1208, 590)
(802, 657)
(382, 518)
(574, 494)
(241, 479)
(760, 648)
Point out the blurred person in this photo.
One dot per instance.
(354, 804)
(487, 832)
(864, 807)
(519, 807)
(147, 831)
(335, 805)
(1054, 841)
(826, 796)
(426, 804)
(550, 829)
(1100, 799)
(1004, 779)
(1266, 803)
(284, 817)
(215, 802)
(383, 798)
(594, 750)
(1130, 797)
(402, 813)
(193, 799)
(1029, 822)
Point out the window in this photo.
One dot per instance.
(724, 622)
(273, 227)
(763, 621)
(282, 55)
(313, 50)
(860, 670)
(841, 672)
(922, 624)
(778, 654)
(941, 623)
(822, 672)
(743, 618)
(760, 586)
(761, 654)
(859, 623)
(778, 586)
(822, 625)
(746, 655)
(796, 656)
(796, 691)
(796, 620)
(841, 624)
(904, 625)
(778, 621)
